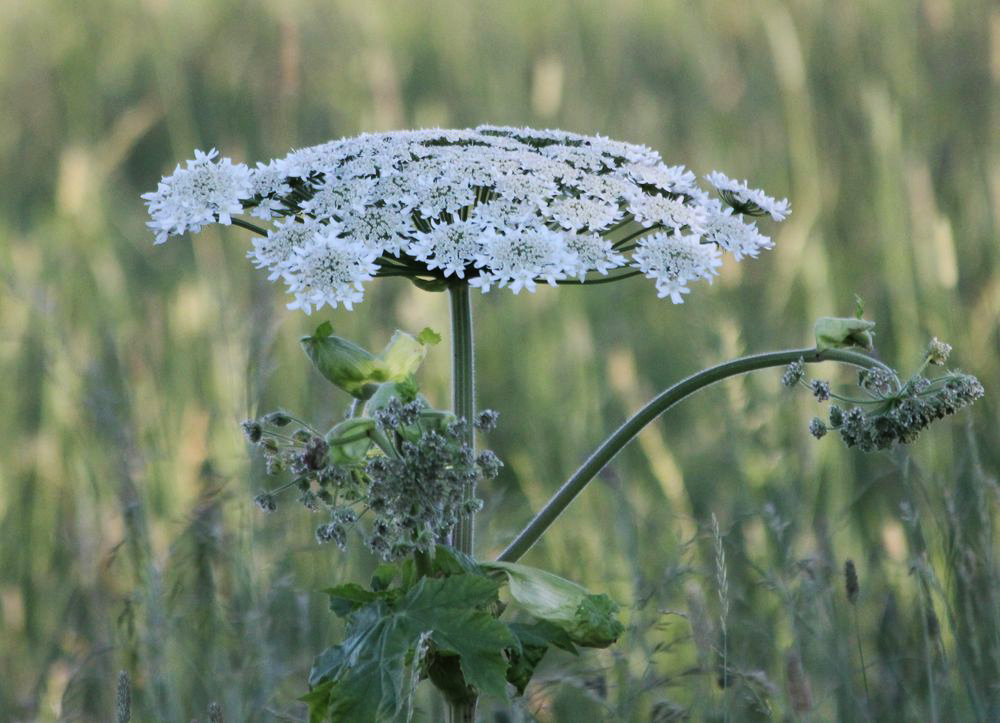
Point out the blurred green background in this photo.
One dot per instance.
(127, 535)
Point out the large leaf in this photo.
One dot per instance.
(345, 599)
(590, 620)
(366, 670)
(533, 641)
(450, 561)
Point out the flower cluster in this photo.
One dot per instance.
(406, 468)
(493, 206)
(892, 412)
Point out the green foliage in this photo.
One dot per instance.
(589, 620)
(446, 624)
(533, 641)
(362, 678)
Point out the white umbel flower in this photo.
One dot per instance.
(575, 213)
(493, 205)
(593, 253)
(448, 246)
(748, 200)
(672, 179)
(668, 211)
(735, 235)
(378, 227)
(674, 261)
(272, 251)
(200, 194)
(337, 198)
(270, 183)
(328, 270)
(519, 257)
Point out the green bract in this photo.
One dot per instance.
(838, 333)
(589, 620)
(350, 440)
(359, 372)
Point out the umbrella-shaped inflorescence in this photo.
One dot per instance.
(491, 206)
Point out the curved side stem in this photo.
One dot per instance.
(624, 434)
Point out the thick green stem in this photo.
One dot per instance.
(463, 386)
(624, 434)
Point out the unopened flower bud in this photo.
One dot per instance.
(486, 420)
(265, 502)
(820, 390)
(278, 419)
(836, 416)
(252, 430)
(314, 455)
(489, 464)
(332, 532)
(793, 373)
(343, 363)
(817, 428)
(938, 351)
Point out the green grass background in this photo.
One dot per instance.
(127, 535)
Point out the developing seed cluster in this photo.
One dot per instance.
(398, 477)
(891, 412)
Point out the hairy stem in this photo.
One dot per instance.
(463, 388)
(624, 434)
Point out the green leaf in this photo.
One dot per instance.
(345, 599)
(450, 608)
(328, 664)
(533, 641)
(428, 337)
(450, 561)
(859, 307)
(839, 333)
(319, 702)
(323, 330)
(366, 669)
(543, 633)
(595, 622)
(383, 576)
(589, 620)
